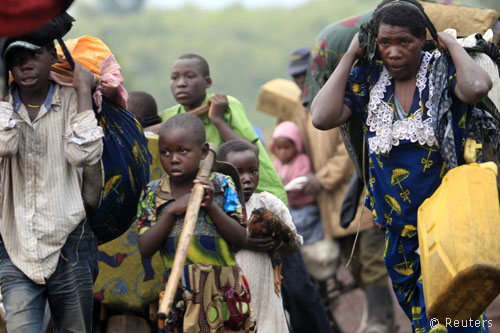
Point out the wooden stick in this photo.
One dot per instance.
(199, 111)
(190, 219)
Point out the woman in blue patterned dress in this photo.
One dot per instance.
(397, 100)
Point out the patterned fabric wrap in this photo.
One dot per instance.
(483, 127)
(125, 162)
(126, 280)
(480, 124)
(207, 245)
(441, 114)
(214, 299)
(329, 47)
(409, 166)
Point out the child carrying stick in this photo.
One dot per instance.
(215, 294)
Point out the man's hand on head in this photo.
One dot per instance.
(83, 82)
(82, 78)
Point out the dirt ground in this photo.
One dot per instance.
(349, 310)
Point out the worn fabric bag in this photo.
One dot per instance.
(125, 158)
(125, 163)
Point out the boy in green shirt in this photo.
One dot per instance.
(226, 120)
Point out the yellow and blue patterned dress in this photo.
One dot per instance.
(125, 166)
(405, 167)
(211, 281)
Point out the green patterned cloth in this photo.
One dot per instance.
(207, 245)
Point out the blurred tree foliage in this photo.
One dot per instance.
(244, 48)
(495, 4)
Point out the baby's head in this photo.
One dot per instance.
(143, 106)
(286, 141)
(245, 159)
(182, 145)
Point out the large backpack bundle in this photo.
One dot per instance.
(111, 190)
(125, 166)
(125, 158)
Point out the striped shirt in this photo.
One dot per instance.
(41, 177)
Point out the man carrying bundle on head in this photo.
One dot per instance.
(47, 248)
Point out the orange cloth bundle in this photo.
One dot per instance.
(96, 56)
(87, 50)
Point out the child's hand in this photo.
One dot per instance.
(218, 105)
(294, 194)
(179, 206)
(208, 187)
(259, 244)
(313, 186)
(82, 78)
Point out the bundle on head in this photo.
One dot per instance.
(263, 223)
(46, 34)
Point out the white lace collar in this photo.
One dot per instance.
(380, 119)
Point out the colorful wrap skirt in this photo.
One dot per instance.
(211, 299)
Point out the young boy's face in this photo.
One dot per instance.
(247, 164)
(188, 83)
(30, 69)
(284, 149)
(180, 154)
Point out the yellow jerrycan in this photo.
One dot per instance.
(459, 242)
